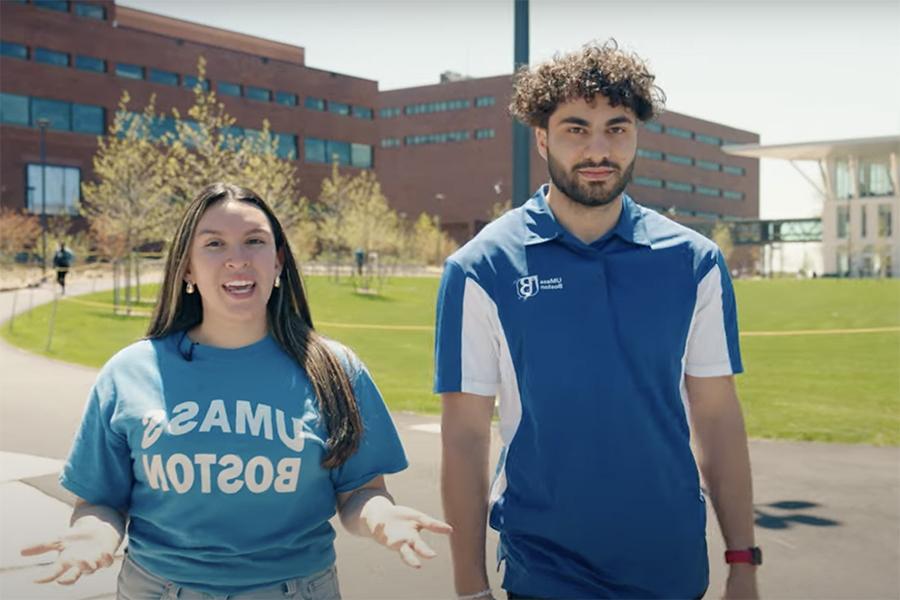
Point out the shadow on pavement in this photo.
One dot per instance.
(784, 515)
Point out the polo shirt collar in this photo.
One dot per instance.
(542, 226)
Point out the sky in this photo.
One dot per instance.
(789, 70)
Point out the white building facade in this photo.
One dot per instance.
(861, 201)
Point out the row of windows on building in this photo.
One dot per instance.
(874, 179)
(424, 108)
(163, 77)
(438, 138)
(884, 222)
(680, 159)
(82, 9)
(59, 115)
(685, 134)
(680, 186)
(85, 118)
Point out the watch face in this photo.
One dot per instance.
(756, 555)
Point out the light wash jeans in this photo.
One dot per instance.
(135, 583)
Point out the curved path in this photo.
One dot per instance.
(828, 515)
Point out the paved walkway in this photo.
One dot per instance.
(828, 515)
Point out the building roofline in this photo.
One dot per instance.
(819, 150)
(133, 18)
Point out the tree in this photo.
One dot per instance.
(207, 147)
(430, 245)
(721, 235)
(128, 203)
(19, 232)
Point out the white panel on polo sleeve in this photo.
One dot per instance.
(707, 346)
(479, 345)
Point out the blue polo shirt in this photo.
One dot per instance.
(586, 347)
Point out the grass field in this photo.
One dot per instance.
(840, 387)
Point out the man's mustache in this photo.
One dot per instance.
(604, 164)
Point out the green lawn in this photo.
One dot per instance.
(834, 387)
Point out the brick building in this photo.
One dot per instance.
(444, 149)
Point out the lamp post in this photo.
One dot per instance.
(42, 125)
(437, 219)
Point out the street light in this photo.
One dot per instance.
(42, 125)
(437, 220)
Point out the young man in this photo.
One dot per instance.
(609, 334)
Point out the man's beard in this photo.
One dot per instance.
(599, 193)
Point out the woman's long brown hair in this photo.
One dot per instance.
(289, 320)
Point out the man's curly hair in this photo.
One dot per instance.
(621, 77)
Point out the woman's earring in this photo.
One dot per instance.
(189, 287)
(278, 281)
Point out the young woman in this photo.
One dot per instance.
(228, 437)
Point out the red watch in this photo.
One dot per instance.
(752, 556)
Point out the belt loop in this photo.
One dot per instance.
(289, 587)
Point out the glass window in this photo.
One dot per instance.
(339, 108)
(314, 150)
(707, 164)
(162, 126)
(843, 220)
(389, 113)
(14, 109)
(13, 50)
(483, 101)
(842, 184)
(884, 220)
(390, 143)
(679, 132)
(361, 155)
(60, 5)
(229, 89)
(191, 81)
(649, 182)
(88, 119)
(653, 127)
(707, 191)
(92, 11)
(314, 103)
(90, 63)
(650, 154)
(287, 145)
(678, 159)
(732, 195)
(129, 71)
(164, 77)
(862, 221)
(708, 139)
(51, 57)
(62, 191)
(361, 112)
(56, 112)
(484, 134)
(874, 178)
(732, 170)
(257, 93)
(337, 151)
(286, 98)
(679, 186)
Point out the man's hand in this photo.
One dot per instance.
(741, 584)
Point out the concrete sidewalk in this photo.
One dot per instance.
(828, 515)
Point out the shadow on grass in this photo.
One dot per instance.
(786, 514)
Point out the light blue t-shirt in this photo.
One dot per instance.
(215, 454)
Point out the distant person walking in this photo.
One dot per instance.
(62, 260)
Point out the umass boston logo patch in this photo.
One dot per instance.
(530, 285)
